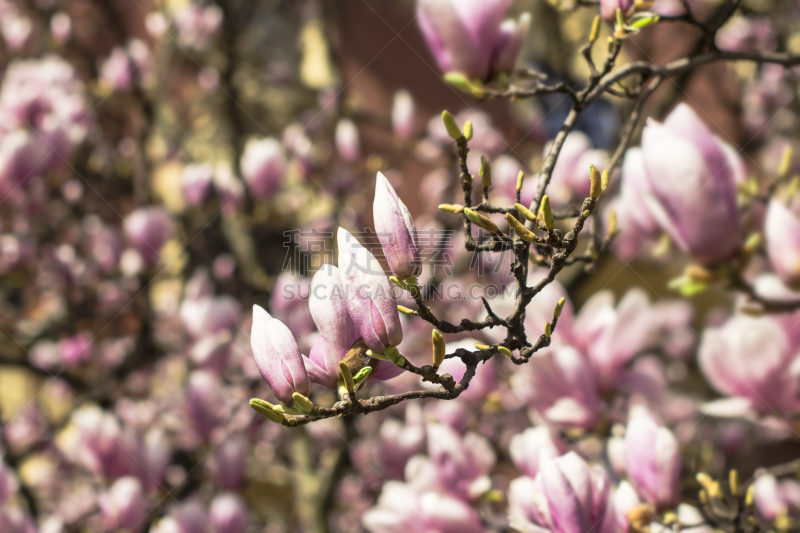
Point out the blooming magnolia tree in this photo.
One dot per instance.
(558, 315)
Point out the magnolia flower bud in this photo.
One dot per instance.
(546, 214)
(277, 356)
(370, 300)
(482, 221)
(653, 461)
(519, 228)
(123, 506)
(266, 409)
(450, 208)
(148, 228)
(228, 513)
(263, 166)
(347, 140)
(486, 173)
(450, 125)
(395, 230)
(525, 212)
(692, 182)
(596, 188)
(438, 349)
(403, 114)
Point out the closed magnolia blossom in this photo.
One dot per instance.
(228, 513)
(196, 183)
(147, 229)
(328, 304)
(369, 294)
(347, 140)
(529, 448)
(750, 360)
(401, 508)
(403, 114)
(608, 9)
(395, 230)
(636, 224)
(123, 506)
(470, 37)
(693, 185)
(263, 166)
(566, 496)
(782, 232)
(277, 356)
(653, 461)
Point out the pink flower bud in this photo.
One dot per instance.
(228, 461)
(403, 114)
(116, 72)
(782, 232)
(277, 356)
(369, 294)
(60, 27)
(395, 229)
(228, 513)
(653, 462)
(693, 193)
(347, 142)
(608, 9)
(263, 167)
(196, 183)
(204, 401)
(123, 506)
(147, 229)
(467, 37)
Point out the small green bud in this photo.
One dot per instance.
(595, 32)
(467, 131)
(519, 228)
(451, 126)
(302, 403)
(483, 347)
(267, 410)
(397, 281)
(394, 356)
(546, 214)
(482, 221)
(733, 482)
(620, 19)
(752, 242)
(548, 329)
(612, 222)
(604, 181)
(438, 348)
(505, 351)
(347, 377)
(361, 375)
(520, 179)
(525, 212)
(459, 81)
(406, 310)
(486, 173)
(586, 213)
(451, 208)
(596, 185)
(786, 162)
(559, 307)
